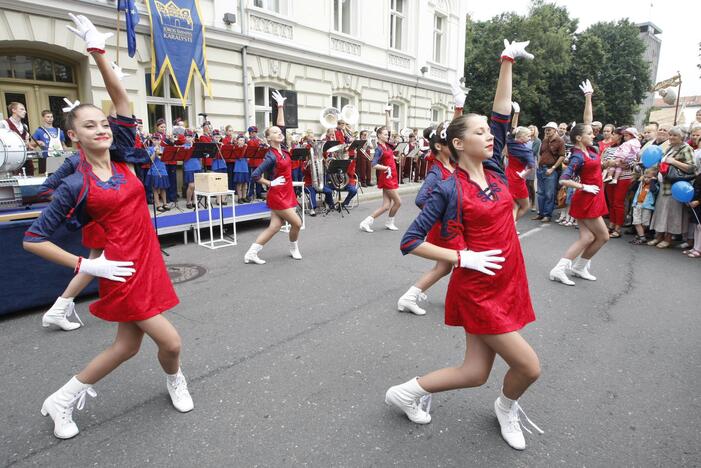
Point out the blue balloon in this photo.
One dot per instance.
(651, 156)
(683, 191)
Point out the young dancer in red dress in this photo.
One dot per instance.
(588, 203)
(387, 179)
(440, 170)
(134, 285)
(521, 163)
(488, 290)
(282, 199)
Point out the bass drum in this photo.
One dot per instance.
(13, 152)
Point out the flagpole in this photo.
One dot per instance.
(118, 33)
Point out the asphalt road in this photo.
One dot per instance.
(288, 363)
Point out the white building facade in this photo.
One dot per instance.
(331, 52)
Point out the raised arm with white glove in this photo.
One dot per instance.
(484, 262)
(513, 50)
(279, 98)
(84, 29)
(109, 269)
(586, 87)
(458, 95)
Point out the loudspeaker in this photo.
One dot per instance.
(290, 108)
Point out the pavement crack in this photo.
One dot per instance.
(628, 286)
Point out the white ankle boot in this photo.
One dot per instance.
(559, 272)
(179, 394)
(581, 269)
(509, 417)
(60, 404)
(252, 255)
(366, 224)
(409, 398)
(294, 251)
(410, 301)
(390, 225)
(58, 315)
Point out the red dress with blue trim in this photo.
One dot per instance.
(280, 197)
(385, 157)
(585, 205)
(483, 219)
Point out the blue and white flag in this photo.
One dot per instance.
(132, 18)
(177, 43)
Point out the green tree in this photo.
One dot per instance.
(609, 54)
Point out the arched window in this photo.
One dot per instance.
(25, 67)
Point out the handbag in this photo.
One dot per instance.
(562, 197)
(674, 174)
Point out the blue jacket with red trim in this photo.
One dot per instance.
(444, 203)
(70, 187)
(433, 176)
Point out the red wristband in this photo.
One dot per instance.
(77, 266)
(506, 57)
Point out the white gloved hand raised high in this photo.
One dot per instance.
(108, 269)
(277, 181)
(279, 98)
(594, 189)
(84, 29)
(586, 87)
(515, 107)
(513, 50)
(388, 108)
(458, 95)
(484, 262)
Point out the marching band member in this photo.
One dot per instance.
(14, 124)
(230, 139)
(281, 199)
(190, 168)
(387, 179)
(157, 175)
(442, 169)
(588, 204)
(253, 163)
(48, 137)
(364, 160)
(241, 174)
(105, 190)
(521, 163)
(488, 291)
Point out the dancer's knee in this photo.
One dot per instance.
(171, 346)
(530, 370)
(124, 351)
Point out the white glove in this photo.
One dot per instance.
(70, 105)
(279, 99)
(108, 269)
(388, 171)
(594, 189)
(458, 95)
(523, 173)
(118, 71)
(484, 262)
(515, 107)
(277, 181)
(388, 108)
(84, 29)
(586, 87)
(515, 50)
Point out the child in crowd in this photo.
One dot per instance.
(190, 167)
(626, 154)
(157, 175)
(241, 173)
(644, 204)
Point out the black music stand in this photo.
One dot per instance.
(202, 151)
(357, 144)
(338, 167)
(300, 154)
(330, 144)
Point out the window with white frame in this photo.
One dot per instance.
(272, 5)
(439, 22)
(163, 102)
(437, 115)
(397, 21)
(396, 117)
(338, 101)
(342, 16)
(263, 105)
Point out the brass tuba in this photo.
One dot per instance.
(317, 165)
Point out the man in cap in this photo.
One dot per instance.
(552, 153)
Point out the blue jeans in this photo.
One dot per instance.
(312, 195)
(547, 190)
(351, 189)
(253, 185)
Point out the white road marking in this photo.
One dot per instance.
(532, 231)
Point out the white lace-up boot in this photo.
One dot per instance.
(509, 416)
(410, 301)
(581, 269)
(410, 398)
(59, 405)
(559, 272)
(58, 315)
(252, 255)
(390, 225)
(179, 394)
(366, 224)
(294, 251)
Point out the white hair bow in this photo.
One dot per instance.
(70, 105)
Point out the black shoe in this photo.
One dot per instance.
(537, 217)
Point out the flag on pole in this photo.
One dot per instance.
(132, 19)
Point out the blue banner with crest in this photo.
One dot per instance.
(177, 43)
